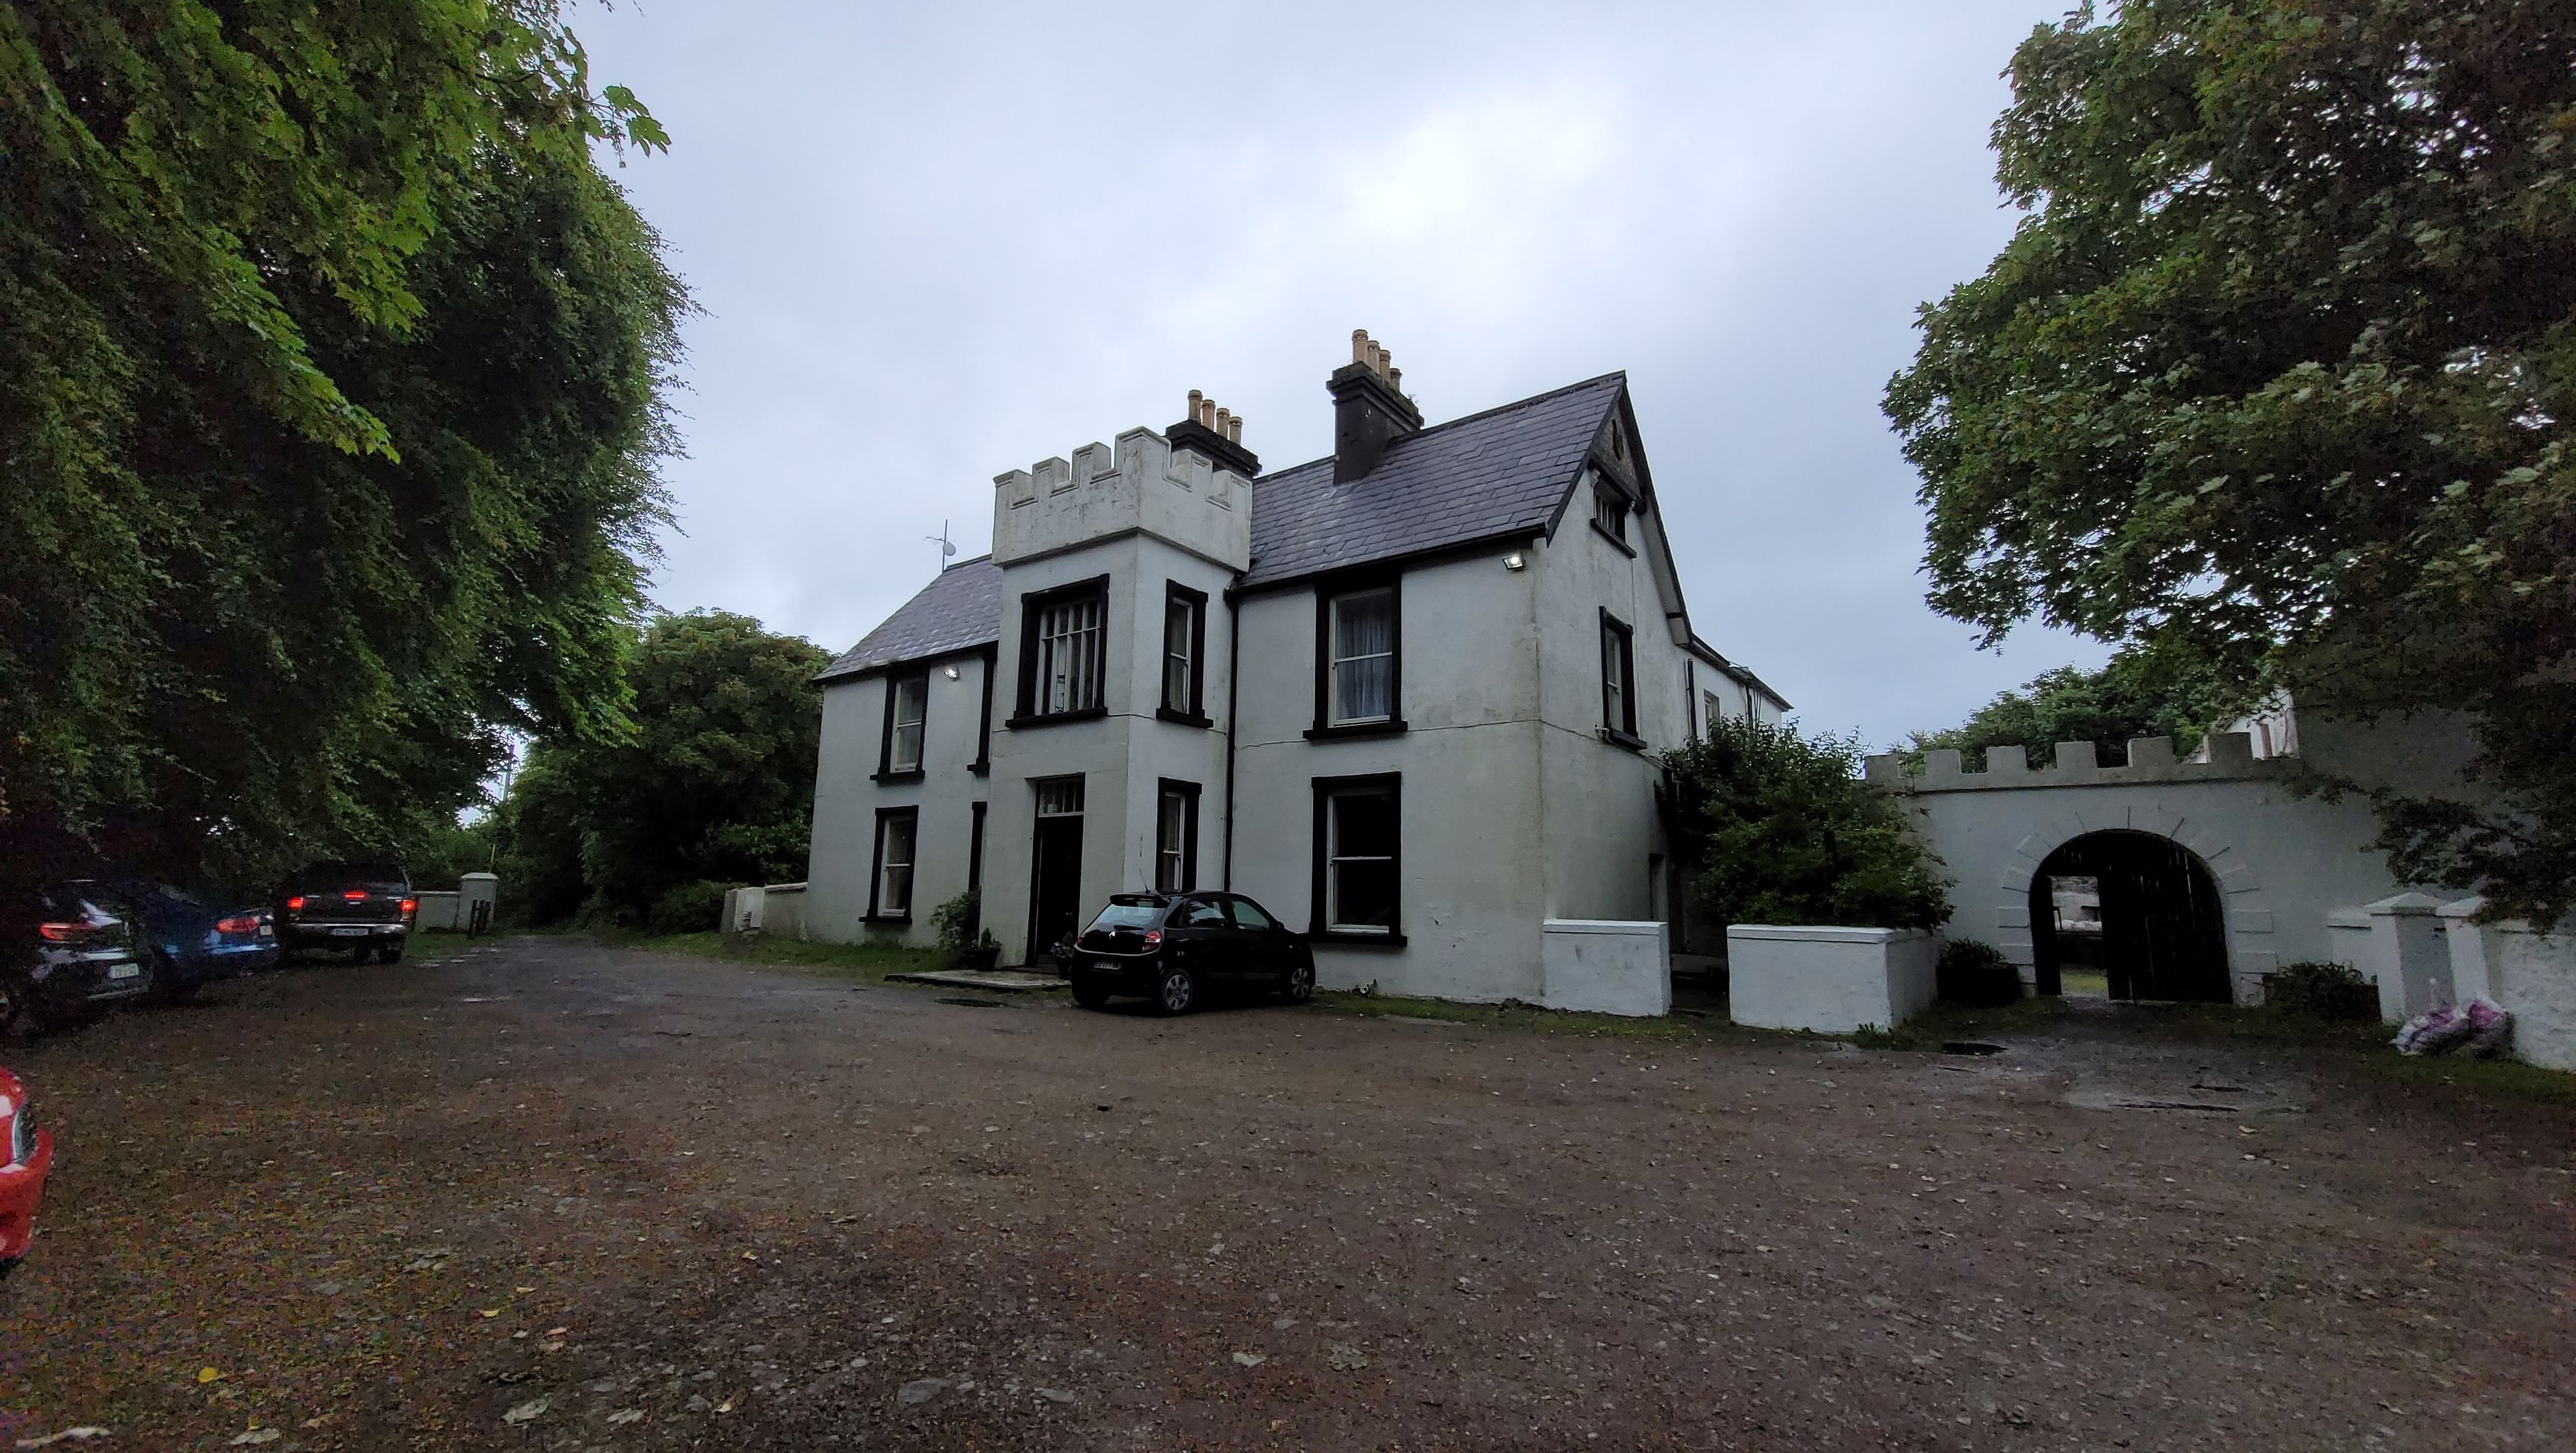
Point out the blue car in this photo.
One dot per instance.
(191, 939)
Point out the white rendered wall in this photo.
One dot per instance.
(2531, 974)
(846, 800)
(1829, 980)
(1471, 895)
(1607, 968)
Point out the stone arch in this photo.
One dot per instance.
(2248, 905)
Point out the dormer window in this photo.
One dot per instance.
(1610, 510)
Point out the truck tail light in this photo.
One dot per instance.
(354, 895)
(409, 904)
(295, 904)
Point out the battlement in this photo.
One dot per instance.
(1182, 494)
(2225, 756)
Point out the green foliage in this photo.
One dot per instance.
(959, 923)
(435, 861)
(2139, 694)
(713, 781)
(2321, 991)
(2277, 371)
(1976, 975)
(693, 907)
(330, 401)
(1780, 828)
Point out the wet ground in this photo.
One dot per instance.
(551, 1195)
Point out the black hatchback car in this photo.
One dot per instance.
(1174, 947)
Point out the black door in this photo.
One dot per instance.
(1055, 883)
(2163, 930)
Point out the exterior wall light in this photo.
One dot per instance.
(1514, 561)
(952, 673)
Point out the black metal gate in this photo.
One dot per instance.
(2164, 929)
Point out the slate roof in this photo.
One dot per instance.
(1495, 473)
(959, 611)
(1500, 472)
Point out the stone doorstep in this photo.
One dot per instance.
(999, 981)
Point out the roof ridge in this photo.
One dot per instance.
(962, 564)
(1505, 408)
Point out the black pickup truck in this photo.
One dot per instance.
(366, 908)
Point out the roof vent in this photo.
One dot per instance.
(1370, 410)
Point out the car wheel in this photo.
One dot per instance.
(1091, 993)
(169, 986)
(391, 955)
(1177, 991)
(13, 999)
(1299, 985)
(61, 1019)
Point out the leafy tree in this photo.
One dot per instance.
(2138, 694)
(1780, 828)
(330, 401)
(2277, 368)
(715, 782)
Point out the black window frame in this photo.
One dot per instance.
(1319, 916)
(1188, 792)
(1619, 726)
(1608, 497)
(1035, 604)
(895, 681)
(1192, 712)
(983, 763)
(1326, 592)
(876, 866)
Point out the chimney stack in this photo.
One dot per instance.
(1216, 433)
(1370, 410)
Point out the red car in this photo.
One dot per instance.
(30, 1153)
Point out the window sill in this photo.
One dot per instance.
(1622, 546)
(1341, 939)
(1022, 723)
(1182, 718)
(1356, 729)
(889, 779)
(889, 919)
(1618, 738)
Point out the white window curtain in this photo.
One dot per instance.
(1363, 649)
(894, 868)
(1069, 656)
(911, 699)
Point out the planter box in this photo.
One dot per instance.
(1829, 980)
(979, 960)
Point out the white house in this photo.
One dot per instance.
(1407, 697)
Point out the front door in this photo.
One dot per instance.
(1055, 871)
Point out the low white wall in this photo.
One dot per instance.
(1606, 967)
(438, 912)
(742, 909)
(1830, 980)
(2531, 974)
(782, 911)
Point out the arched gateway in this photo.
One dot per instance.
(2207, 874)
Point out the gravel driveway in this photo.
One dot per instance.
(553, 1195)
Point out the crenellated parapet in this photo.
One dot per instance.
(1179, 490)
(2225, 756)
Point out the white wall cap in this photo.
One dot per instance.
(782, 888)
(2348, 918)
(2405, 903)
(478, 877)
(1603, 925)
(2464, 908)
(1822, 933)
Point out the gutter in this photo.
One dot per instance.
(1233, 685)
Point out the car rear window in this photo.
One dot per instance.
(340, 877)
(1129, 915)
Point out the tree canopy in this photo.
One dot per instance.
(2276, 371)
(1779, 828)
(715, 783)
(331, 376)
(2139, 694)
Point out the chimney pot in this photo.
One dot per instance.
(1195, 396)
(1223, 418)
(1207, 412)
(1359, 345)
(1369, 411)
(1234, 430)
(1395, 379)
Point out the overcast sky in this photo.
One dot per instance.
(936, 242)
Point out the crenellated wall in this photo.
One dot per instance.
(1145, 485)
(2225, 756)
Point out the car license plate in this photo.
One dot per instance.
(267, 931)
(125, 971)
(350, 932)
